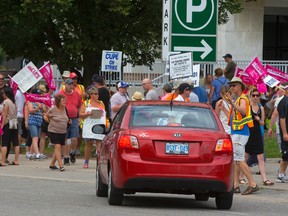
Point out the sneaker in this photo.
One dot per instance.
(62, 169)
(40, 157)
(72, 157)
(78, 153)
(85, 166)
(32, 157)
(66, 161)
(283, 179)
(28, 155)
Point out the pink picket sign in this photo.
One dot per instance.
(238, 72)
(13, 85)
(1, 131)
(277, 74)
(256, 70)
(262, 87)
(46, 71)
(45, 99)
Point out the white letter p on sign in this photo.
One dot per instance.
(191, 8)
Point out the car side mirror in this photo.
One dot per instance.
(98, 129)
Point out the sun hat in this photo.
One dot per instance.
(66, 74)
(177, 83)
(137, 96)
(237, 80)
(122, 84)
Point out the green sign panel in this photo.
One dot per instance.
(194, 28)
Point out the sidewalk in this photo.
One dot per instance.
(40, 170)
(76, 173)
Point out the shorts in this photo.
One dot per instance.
(57, 138)
(20, 121)
(284, 150)
(73, 129)
(34, 130)
(10, 135)
(44, 127)
(25, 131)
(239, 142)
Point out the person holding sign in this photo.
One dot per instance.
(89, 110)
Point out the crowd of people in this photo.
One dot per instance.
(242, 110)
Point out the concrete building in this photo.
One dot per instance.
(261, 29)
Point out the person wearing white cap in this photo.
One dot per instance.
(119, 98)
(65, 76)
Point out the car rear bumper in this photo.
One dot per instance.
(175, 185)
(131, 172)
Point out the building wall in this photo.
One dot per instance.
(242, 36)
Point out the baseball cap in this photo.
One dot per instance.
(66, 74)
(98, 79)
(122, 84)
(69, 81)
(184, 86)
(73, 75)
(227, 56)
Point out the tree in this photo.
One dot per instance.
(73, 33)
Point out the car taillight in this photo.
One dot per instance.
(224, 145)
(128, 141)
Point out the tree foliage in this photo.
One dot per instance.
(73, 33)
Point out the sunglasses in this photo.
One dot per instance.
(233, 85)
(255, 95)
(94, 94)
(1, 78)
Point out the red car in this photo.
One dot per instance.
(168, 147)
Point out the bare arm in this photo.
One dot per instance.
(283, 128)
(4, 115)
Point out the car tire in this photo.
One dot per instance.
(201, 197)
(101, 189)
(115, 196)
(224, 200)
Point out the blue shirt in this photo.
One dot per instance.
(217, 84)
(201, 93)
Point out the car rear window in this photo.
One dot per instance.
(177, 116)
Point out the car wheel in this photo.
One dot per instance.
(201, 197)
(115, 196)
(224, 200)
(101, 189)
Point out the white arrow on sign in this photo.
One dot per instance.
(206, 49)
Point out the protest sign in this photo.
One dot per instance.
(167, 67)
(277, 74)
(180, 65)
(45, 99)
(256, 70)
(47, 72)
(111, 61)
(88, 125)
(27, 77)
(271, 81)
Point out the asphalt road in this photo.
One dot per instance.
(32, 189)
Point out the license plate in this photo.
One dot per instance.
(177, 148)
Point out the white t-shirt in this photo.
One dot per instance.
(20, 101)
(193, 97)
(224, 119)
(179, 98)
(277, 119)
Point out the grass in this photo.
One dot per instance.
(271, 146)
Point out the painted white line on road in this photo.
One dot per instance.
(52, 179)
(232, 213)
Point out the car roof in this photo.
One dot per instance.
(165, 102)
